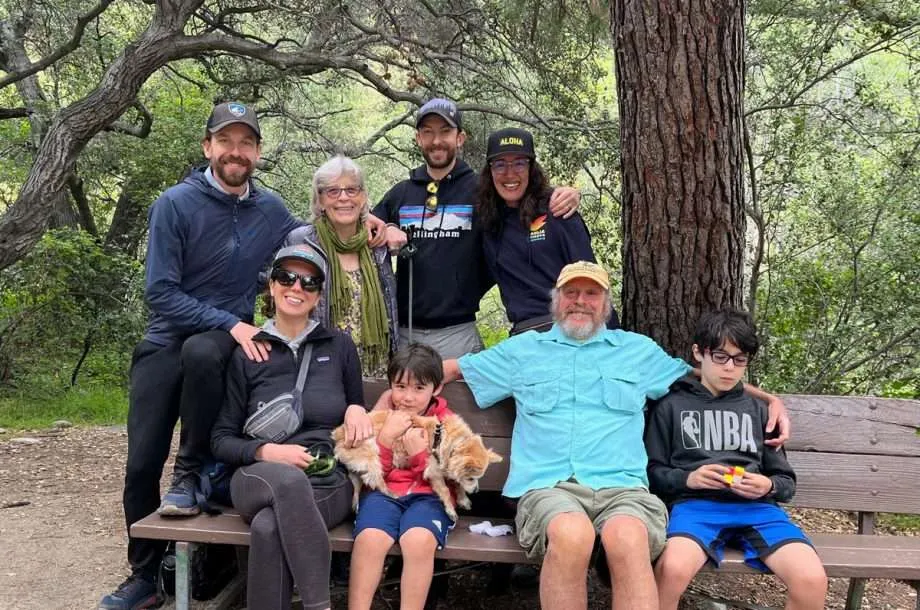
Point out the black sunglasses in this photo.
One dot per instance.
(309, 283)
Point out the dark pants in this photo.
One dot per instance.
(289, 545)
(183, 380)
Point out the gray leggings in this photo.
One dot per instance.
(289, 544)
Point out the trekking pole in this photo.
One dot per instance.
(408, 252)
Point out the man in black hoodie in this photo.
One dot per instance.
(708, 460)
(434, 210)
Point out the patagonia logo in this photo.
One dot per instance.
(323, 359)
(538, 229)
(511, 141)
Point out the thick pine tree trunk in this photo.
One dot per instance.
(680, 84)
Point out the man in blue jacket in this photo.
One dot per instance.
(210, 235)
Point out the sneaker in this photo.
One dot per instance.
(133, 594)
(180, 500)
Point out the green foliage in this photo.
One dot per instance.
(69, 299)
(833, 115)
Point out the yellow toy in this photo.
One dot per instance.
(736, 472)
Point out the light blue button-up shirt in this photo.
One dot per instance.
(580, 405)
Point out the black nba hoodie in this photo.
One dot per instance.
(690, 427)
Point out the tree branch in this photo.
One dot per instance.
(13, 113)
(141, 130)
(63, 50)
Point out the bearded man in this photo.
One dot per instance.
(578, 463)
(210, 235)
(434, 208)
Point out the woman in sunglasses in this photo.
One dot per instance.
(525, 247)
(276, 420)
(360, 295)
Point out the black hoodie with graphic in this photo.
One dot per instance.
(690, 427)
(450, 274)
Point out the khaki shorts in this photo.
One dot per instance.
(538, 507)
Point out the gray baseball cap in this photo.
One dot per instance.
(444, 108)
(229, 113)
(306, 253)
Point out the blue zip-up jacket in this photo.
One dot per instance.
(204, 253)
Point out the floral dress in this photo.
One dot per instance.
(351, 324)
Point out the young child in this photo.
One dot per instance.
(416, 519)
(695, 438)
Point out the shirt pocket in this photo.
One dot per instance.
(622, 392)
(537, 391)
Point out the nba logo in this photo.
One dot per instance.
(690, 429)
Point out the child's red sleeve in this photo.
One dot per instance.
(386, 458)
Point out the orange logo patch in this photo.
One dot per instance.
(538, 223)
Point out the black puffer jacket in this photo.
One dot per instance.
(333, 383)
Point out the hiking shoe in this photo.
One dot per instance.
(133, 594)
(180, 500)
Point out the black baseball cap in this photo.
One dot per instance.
(444, 108)
(229, 113)
(510, 140)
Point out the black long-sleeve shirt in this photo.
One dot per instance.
(333, 383)
(690, 428)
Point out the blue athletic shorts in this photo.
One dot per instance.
(755, 528)
(396, 516)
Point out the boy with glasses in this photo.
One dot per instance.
(709, 462)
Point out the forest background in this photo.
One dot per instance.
(831, 141)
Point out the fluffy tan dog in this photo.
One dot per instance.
(459, 457)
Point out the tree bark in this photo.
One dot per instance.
(680, 85)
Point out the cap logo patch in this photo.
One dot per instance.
(236, 109)
(511, 141)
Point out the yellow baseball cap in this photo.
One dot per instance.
(585, 269)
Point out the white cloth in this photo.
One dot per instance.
(488, 529)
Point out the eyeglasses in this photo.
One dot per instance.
(720, 357)
(335, 192)
(308, 283)
(518, 166)
(431, 203)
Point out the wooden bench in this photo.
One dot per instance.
(852, 454)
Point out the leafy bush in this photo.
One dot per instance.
(69, 311)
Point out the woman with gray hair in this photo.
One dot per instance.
(360, 298)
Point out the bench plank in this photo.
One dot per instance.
(872, 483)
(843, 555)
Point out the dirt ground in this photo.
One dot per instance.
(62, 536)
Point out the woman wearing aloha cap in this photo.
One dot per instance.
(360, 295)
(525, 247)
(288, 512)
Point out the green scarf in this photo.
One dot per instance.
(374, 327)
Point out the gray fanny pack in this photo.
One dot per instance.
(276, 420)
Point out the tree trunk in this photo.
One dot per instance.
(15, 59)
(680, 84)
(25, 221)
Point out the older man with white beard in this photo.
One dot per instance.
(578, 463)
